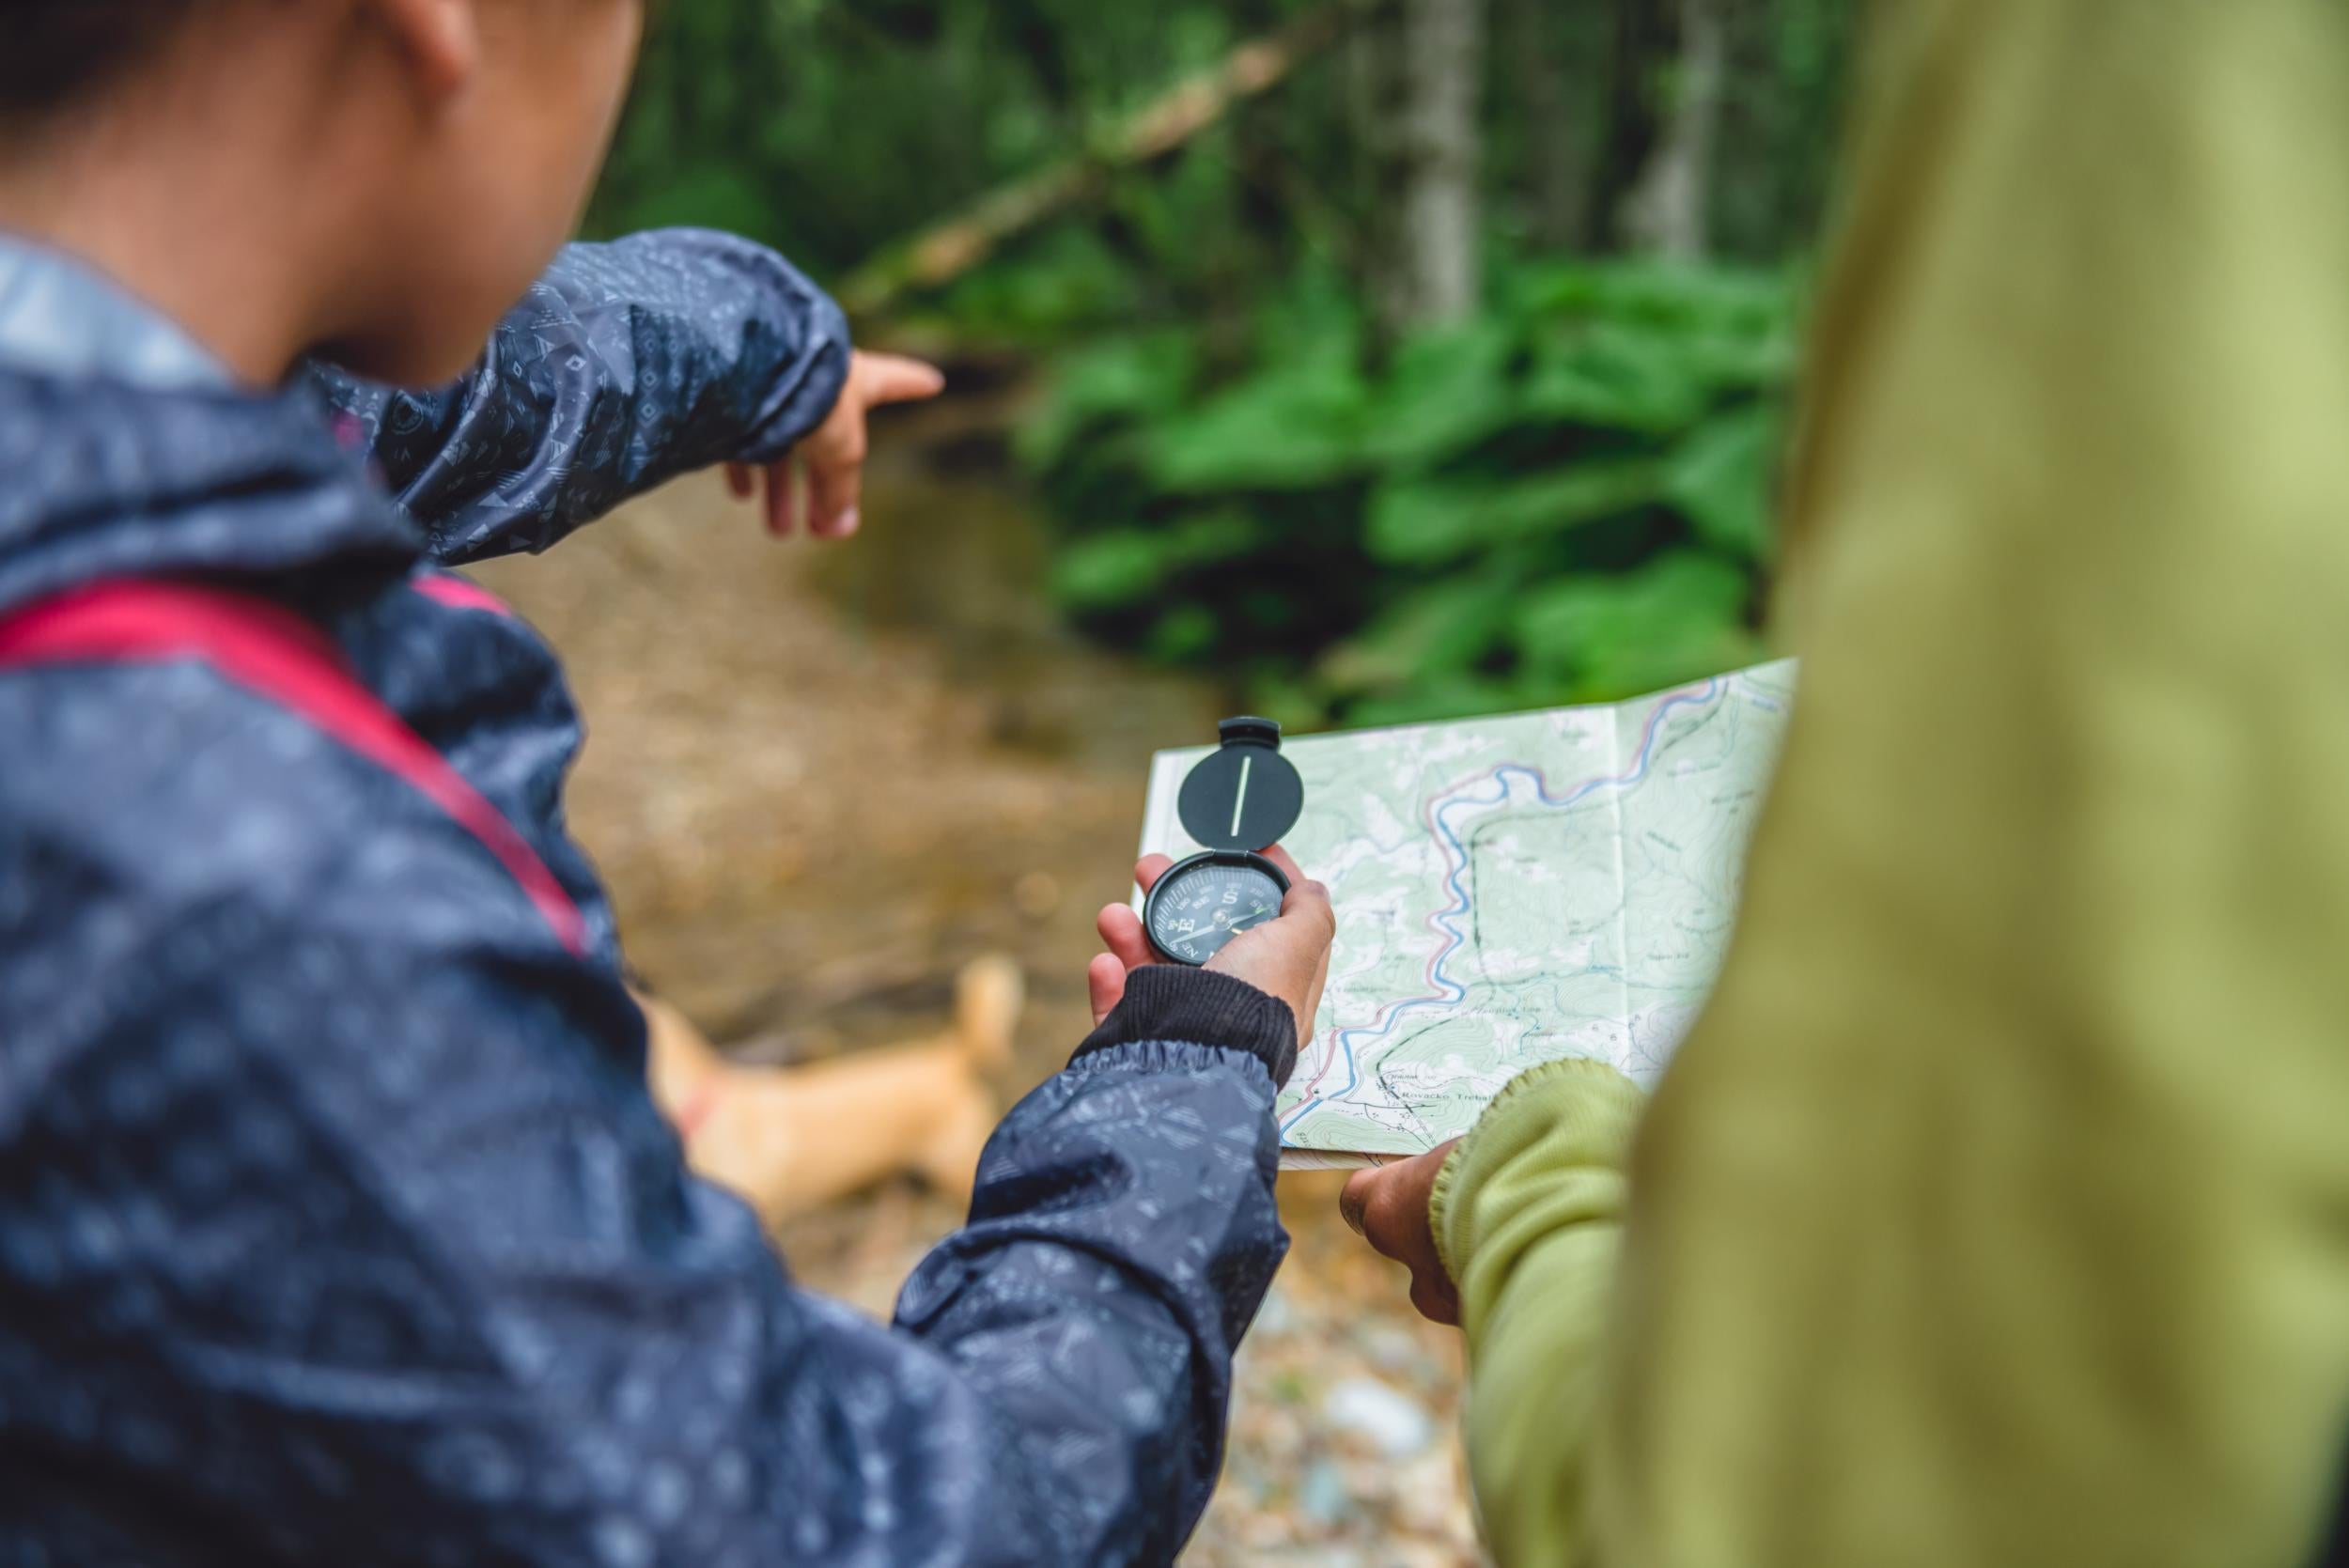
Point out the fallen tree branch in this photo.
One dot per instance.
(944, 252)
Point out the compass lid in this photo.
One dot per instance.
(1246, 795)
(1253, 732)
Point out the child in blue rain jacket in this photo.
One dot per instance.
(337, 1224)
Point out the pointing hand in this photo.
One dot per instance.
(833, 453)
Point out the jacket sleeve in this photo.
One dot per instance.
(439, 1288)
(1527, 1215)
(1977, 1221)
(627, 364)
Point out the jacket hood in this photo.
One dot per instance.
(104, 479)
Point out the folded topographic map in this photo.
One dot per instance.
(1511, 891)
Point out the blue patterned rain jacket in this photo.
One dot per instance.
(336, 1225)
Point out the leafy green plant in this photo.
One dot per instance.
(1566, 499)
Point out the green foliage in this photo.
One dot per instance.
(833, 131)
(1566, 499)
(1718, 478)
(1293, 428)
(1437, 521)
(1679, 615)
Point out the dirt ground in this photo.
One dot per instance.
(821, 778)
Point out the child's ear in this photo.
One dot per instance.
(441, 39)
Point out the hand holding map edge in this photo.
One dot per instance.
(1391, 1207)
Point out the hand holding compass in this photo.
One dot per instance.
(1238, 803)
(1246, 911)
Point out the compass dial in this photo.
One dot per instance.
(1201, 905)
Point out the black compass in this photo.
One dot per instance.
(1237, 802)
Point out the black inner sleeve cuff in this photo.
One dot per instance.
(1200, 1007)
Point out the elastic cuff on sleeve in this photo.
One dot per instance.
(1527, 1106)
(1439, 1205)
(1200, 1007)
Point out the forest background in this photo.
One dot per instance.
(1381, 359)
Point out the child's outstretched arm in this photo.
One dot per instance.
(628, 364)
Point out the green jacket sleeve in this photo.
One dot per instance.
(1527, 1213)
(1991, 1214)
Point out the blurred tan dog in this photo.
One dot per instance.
(792, 1139)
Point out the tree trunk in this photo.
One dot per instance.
(1669, 211)
(1559, 131)
(1425, 62)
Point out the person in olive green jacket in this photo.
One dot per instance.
(1997, 1212)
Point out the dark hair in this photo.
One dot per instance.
(56, 52)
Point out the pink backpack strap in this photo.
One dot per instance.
(285, 659)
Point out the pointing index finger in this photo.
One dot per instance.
(896, 379)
